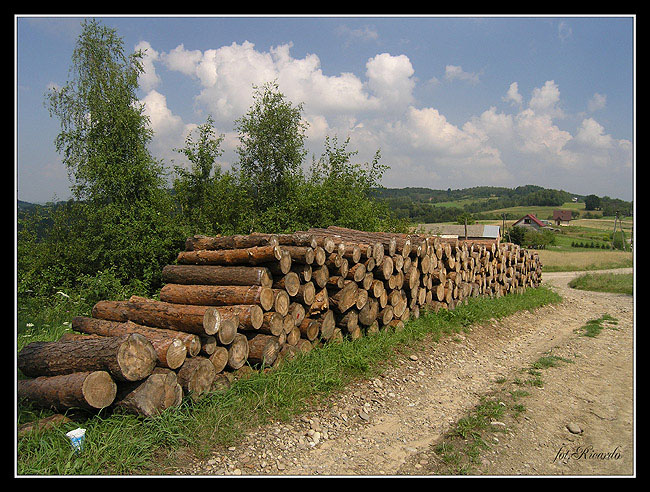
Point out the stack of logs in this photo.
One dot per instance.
(235, 302)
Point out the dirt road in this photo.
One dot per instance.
(391, 425)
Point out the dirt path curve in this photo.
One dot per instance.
(390, 425)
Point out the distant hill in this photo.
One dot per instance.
(426, 205)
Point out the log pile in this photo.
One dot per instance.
(254, 300)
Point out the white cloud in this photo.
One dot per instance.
(364, 34)
(598, 101)
(455, 72)
(169, 129)
(149, 79)
(513, 95)
(379, 111)
(390, 78)
(546, 100)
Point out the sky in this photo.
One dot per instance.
(449, 102)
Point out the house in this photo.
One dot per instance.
(474, 231)
(562, 217)
(530, 221)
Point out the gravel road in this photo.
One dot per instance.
(579, 423)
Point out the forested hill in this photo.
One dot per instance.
(430, 205)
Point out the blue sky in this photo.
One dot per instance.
(449, 101)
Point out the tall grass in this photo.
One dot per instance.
(618, 283)
(119, 444)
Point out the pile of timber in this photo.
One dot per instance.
(235, 302)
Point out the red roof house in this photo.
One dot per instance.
(529, 220)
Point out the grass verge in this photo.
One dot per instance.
(618, 283)
(120, 444)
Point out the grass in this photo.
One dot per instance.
(122, 444)
(593, 327)
(572, 261)
(618, 283)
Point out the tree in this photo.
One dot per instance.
(592, 202)
(517, 235)
(104, 130)
(465, 216)
(271, 151)
(340, 192)
(122, 216)
(195, 187)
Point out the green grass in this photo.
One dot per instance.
(121, 444)
(593, 327)
(618, 283)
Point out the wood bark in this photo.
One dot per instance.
(90, 390)
(151, 396)
(170, 346)
(217, 275)
(199, 242)
(217, 295)
(244, 256)
(125, 358)
(200, 320)
(196, 376)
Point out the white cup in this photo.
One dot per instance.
(77, 438)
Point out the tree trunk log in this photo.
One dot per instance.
(238, 352)
(196, 376)
(309, 329)
(90, 390)
(306, 293)
(170, 346)
(125, 358)
(263, 349)
(219, 358)
(217, 275)
(244, 256)
(345, 298)
(151, 396)
(289, 282)
(273, 324)
(250, 316)
(200, 320)
(230, 242)
(217, 295)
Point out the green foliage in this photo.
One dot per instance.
(271, 151)
(339, 192)
(517, 235)
(538, 239)
(592, 202)
(104, 131)
(465, 218)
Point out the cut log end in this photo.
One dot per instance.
(99, 389)
(137, 357)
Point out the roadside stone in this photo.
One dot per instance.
(574, 428)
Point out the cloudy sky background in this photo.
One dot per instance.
(449, 102)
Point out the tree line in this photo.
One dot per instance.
(125, 221)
